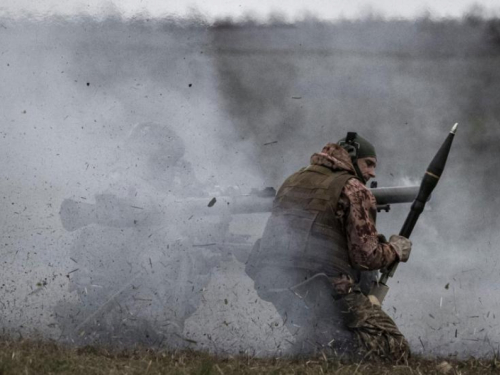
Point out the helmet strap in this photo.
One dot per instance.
(358, 171)
(353, 153)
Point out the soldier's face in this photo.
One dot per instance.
(367, 167)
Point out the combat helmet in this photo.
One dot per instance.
(358, 148)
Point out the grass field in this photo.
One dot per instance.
(37, 357)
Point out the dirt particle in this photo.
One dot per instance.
(212, 202)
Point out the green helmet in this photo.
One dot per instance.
(357, 146)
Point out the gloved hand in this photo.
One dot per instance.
(402, 245)
(381, 238)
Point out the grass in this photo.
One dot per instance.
(42, 357)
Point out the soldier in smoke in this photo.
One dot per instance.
(320, 251)
(138, 276)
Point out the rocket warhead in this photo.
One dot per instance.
(437, 164)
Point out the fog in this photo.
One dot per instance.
(116, 135)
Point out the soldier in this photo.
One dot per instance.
(137, 276)
(320, 250)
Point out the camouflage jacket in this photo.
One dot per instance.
(356, 212)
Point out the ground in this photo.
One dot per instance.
(42, 357)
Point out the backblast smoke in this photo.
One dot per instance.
(117, 134)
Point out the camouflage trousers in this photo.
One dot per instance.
(377, 334)
(320, 320)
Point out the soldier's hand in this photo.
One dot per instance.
(402, 245)
(381, 238)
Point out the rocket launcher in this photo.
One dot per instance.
(429, 182)
(115, 212)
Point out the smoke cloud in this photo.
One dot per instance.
(115, 136)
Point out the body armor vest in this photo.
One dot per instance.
(303, 232)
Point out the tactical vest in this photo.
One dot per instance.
(303, 232)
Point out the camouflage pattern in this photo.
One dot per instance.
(402, 245)
(375, 331)
(356, 211)
(334, 157)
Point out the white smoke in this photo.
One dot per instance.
(251, 104)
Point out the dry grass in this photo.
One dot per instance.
(38, 357)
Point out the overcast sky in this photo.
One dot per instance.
(293, 9)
